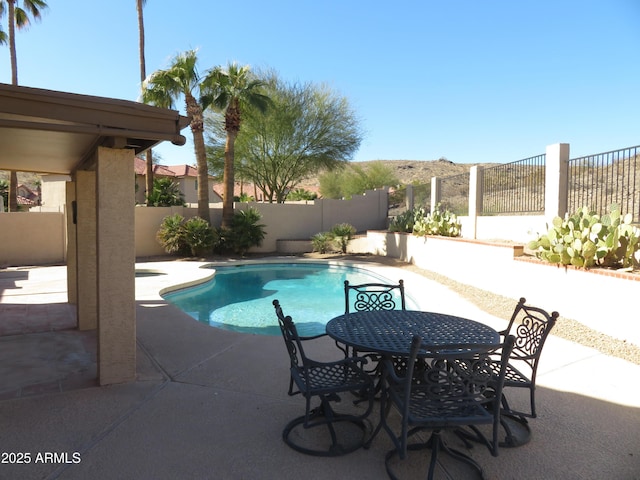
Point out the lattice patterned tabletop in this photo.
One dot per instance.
(389, 332)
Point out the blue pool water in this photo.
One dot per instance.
(239, 297)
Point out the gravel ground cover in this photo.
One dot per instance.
(502, 307)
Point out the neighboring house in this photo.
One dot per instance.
(238, 189)
(250, 189)
(185, 176)
(27, 197)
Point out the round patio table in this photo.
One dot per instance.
(389, 332)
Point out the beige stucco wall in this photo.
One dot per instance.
(54, 192)
(21, 234)
(517, 228)
(300, 221)
(32, 238)
(147, 223)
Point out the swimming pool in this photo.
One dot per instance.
(239, 297)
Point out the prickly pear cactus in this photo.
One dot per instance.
(438, 223)
(585, 239)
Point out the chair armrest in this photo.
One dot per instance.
(313, 337)
(353, 361)
(390, 372)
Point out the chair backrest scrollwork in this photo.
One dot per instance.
(374, 296)
(531, 327)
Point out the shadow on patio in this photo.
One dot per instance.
(210, 403)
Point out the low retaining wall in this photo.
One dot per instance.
(293, 246)
(601, 300)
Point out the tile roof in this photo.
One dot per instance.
(26, 196)
(140, 167)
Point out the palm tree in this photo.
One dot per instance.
(163, 88)
(231, 90)
(17, 17)
(143, 74)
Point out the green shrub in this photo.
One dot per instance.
(165, 193)
(322, 242)
(244, 197)
(301, 194)
(198, 236)
(342, 234)
(170, 235)
(585, 239)
(245, 232)
(192, 237)
(445, 224)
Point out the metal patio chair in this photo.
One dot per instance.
(368, 297)
(324, 380)
(530, 326)
(455, 389)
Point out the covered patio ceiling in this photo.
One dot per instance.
(45, 131)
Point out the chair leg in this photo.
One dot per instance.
(324, 416)
(436, 444)
(532, 395)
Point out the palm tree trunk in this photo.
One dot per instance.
(203, 175)
(194, 112)
(12, 42)
(143, 75)
(13, 192)
(149, 174)
(228, 173)
(13, 182)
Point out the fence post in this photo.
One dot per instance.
(435, 192)
(556, 180)
(475, 198)
(409, 197)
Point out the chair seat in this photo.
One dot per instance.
(513, 376)
(329, 378)
(441, 412)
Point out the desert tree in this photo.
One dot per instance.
(309, 128)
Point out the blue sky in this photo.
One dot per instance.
(473, 81)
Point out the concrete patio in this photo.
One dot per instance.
(211, 404)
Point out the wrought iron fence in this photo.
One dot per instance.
(422, 195)
(454, 194)
(516, 187)
(601, 180)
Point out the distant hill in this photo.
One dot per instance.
(28, 179)
(412, 171)
(407, 172)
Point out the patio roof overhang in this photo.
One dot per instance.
(45, 131)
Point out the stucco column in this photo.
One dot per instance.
(87, 283)
(435, 192)
(475, 200)
(72, 245)
(409, 197)
(115, 234)
(556, 178)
